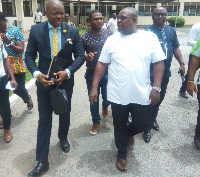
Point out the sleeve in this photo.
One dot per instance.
(105, 56)
(175, 40)
(83, 42)
(78, 52)
(192, 37)
(4, 52)
(157, 53)
(18, 35)
(196, 50)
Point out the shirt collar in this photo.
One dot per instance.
(50, 26)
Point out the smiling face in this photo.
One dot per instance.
(126, 22)
(159, 17)
(55, 13)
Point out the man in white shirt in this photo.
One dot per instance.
(112, 23)
(194, 36)
(128, 56)
(38, 16)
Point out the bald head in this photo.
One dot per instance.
(130, 10)
(55, 12)
(52, 3)
(159, 9)
(159, 17)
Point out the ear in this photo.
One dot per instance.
(135, 20)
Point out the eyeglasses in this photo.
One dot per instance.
(158, 15)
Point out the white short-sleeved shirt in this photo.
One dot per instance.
(112, 24)
(2, 69)
(130, 57)
(38, 16)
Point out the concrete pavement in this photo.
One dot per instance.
(170, 153)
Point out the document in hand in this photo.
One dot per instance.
(57, 64)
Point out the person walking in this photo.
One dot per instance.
(13, 41)
(191, 87)
(112, 23)
(194, 36)
(93, 41)
(5, 71)
(129, 88)
(170, 45)
(38, 17)
(47, 39)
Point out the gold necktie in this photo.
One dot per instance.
(55, 42)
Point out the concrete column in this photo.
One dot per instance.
(34, 7)
(1, 7)
(158, 4)
(71, 6)
(181, 8)
(92, 6)
(20, 12)
(114, 7)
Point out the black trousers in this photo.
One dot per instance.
(45, 123)
(5, 108)
(141, 119)
(184, 84)
(21, 91)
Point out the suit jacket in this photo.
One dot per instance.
(39, 42)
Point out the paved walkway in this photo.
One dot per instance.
(170, 153)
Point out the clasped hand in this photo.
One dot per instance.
(154, 97)
(61, 75)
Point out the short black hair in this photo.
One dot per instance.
(91, 13)
(2, 16)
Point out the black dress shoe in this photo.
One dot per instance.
(41, 168)
(65, 146)
(155, 126)
(147, 136)
(197, 141)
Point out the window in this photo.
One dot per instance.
(146, 9)
(171, 8)
(191, 9)
(67, 9)
(27, 5)
(41, 6)
(75, 8)
(8, 7)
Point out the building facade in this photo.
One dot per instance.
(22, 12)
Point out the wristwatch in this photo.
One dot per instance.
(7, 45)
(157, 89)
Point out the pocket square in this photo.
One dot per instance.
(69, 41)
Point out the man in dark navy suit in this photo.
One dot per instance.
(42, 40)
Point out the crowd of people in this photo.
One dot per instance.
(131, 75)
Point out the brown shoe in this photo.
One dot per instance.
(8, 136)
(94, 129)
(105, 112)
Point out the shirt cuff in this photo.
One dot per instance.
(68, 73)
(35, 74)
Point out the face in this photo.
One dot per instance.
(2, 26)
(126, 22)
(159, 17)
(66, 17)
(96, 21)
(114, 15)
(55, 14)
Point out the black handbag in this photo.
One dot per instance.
(59, 100)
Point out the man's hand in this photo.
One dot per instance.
(42, 78)
(5, 39)
(182, 69)
(13, 83)
(154, 97)
(62, 75)
(90, 56)
(191, 87)
(93, 95)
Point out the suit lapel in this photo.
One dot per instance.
(46, 37)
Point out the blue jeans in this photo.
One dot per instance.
(94, 108)
(162, 96)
